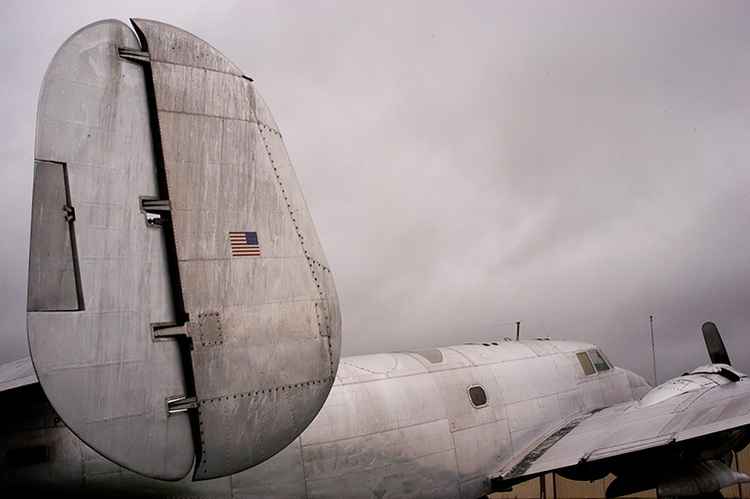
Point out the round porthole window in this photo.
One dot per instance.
(478, 396)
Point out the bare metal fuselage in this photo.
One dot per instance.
(401, 424)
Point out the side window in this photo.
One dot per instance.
(588, 367)
(478, 396)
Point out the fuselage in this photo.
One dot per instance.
(428, 423)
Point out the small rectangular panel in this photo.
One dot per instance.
(209, 327)
(53, 267)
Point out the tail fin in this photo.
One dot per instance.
(177, 288)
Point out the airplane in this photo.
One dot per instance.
(184, 326)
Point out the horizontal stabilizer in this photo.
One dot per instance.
(17, 374)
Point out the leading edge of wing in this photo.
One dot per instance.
(627, 428)
(17, 374)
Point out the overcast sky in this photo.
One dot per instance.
(578, 166)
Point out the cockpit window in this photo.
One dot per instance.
(600, 363)
(593, 361)
(588, 367)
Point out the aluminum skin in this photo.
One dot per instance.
(144, 316)
(394, 425)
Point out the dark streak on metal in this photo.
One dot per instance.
(531, 457)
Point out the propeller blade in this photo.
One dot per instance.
(715, 346)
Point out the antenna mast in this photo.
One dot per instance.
(653, 350)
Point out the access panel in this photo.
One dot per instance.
(54, 282)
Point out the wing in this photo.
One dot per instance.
(679, 431)
(17, 374)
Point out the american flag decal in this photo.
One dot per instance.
(244, 243)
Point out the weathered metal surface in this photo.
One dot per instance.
(149, 156)
(370, 435)
(16, 374)
(100, 367)
(400, 445)
(264, 325)
(712, 407)
(387, 426)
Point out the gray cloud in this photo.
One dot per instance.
(577, 166)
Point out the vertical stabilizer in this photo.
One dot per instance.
(186, 298)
